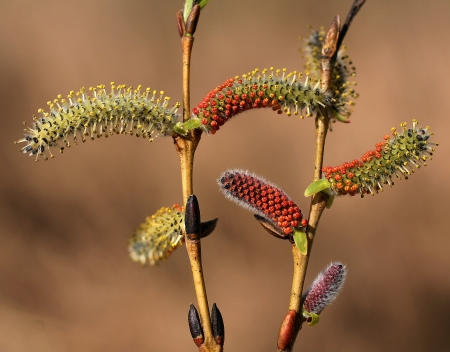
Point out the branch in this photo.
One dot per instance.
(319, 200)
(186, 147)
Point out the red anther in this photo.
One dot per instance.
(386, 137)
(244, 96)
(234, 102)
(279, 112)
(229, 84)
(220, 121)
(234, 108)
(206, 114)
(221, 97)
(287, 230)
(339, 185)
(296, 216)
(304, 222)
(213, 131)
(350, 175)
(255, 87)
(236, 97)
(274, 103)
(239, 81)
(213, 103)
(228, 112)
(338, 177)
(204, 121)
(204, 105)
(261, 93)
(294, 223)
(195, 111)
(214, 124)
(242, 103)
(215, 117)
(252, 95)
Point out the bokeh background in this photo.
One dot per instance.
(66, 282)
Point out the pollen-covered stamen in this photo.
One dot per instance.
(123, 110)
(397, 156)
(325, 288)
(263, 198)
(281, 92)
(343, 93)
(158, 236)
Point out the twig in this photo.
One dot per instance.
(357, 4)
(186, 149)
(319, 200)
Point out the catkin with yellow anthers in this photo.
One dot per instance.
(397, 156)
(340, 80)
(155, 239)
(122, 111)
(266, 89)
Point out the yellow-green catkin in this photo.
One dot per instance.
(341, 86)
(123, 110)
(155, 239)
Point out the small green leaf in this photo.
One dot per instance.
(202, 3)
(179, 128)
(192, 123)
(187, 9)
(317, 186)
(301, 241)
(314, 317)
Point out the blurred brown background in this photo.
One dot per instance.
(66, 282)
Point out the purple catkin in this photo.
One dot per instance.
(325, 288)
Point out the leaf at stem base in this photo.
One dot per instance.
(301, 241)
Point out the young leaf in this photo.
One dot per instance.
(301, 241)
(316, 187)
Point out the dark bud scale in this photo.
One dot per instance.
(395, 156)
(280, 91)
(263, 198)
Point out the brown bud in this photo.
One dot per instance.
(180, 22)
(217, 325)
(195, 327)
(331, 38)
(287, 331)
(192, 218)
(191, 23)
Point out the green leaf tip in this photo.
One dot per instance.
(184, 128)
(203, 3)
(311, 318)
(316, 187)
(301, 241)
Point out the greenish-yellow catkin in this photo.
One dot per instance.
(123, 111)
(397, 156)
(155, 239)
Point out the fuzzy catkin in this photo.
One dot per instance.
(325, 288)
(123, 110)
(263, 198)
